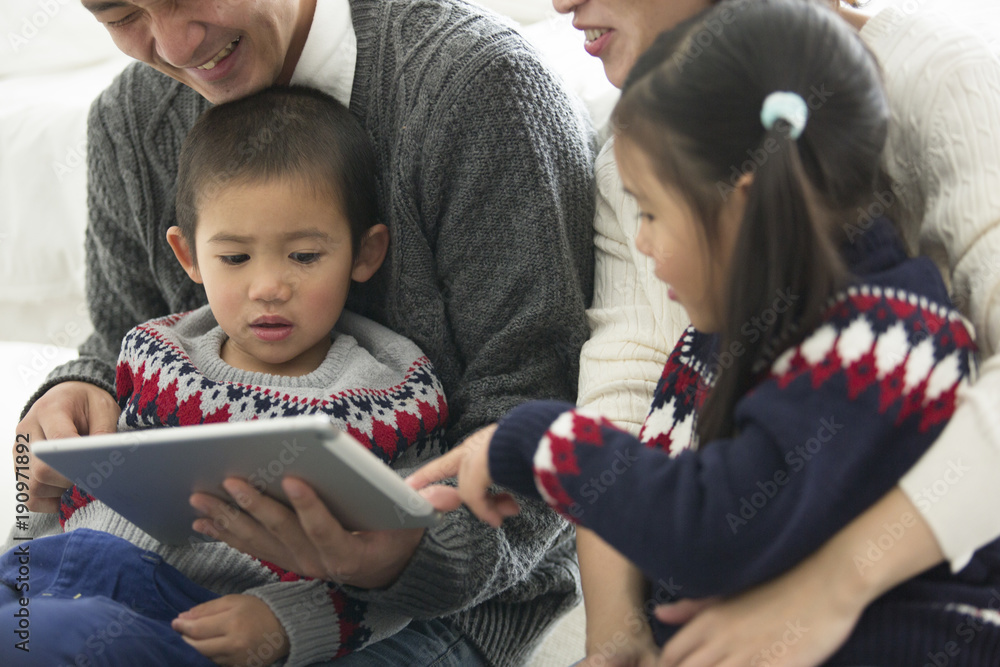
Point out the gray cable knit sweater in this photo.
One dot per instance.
(487, 189)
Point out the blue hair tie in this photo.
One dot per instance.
(789, 107)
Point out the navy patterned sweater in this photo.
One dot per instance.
(831, 428)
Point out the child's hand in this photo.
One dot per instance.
(469, 461)
(234, 630)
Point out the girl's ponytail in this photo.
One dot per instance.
(772, 295)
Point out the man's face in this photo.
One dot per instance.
(223, 49)
(618, 31)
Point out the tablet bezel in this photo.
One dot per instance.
(148, 476)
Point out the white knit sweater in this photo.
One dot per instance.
(943, 84)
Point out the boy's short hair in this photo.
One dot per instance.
(281, 132)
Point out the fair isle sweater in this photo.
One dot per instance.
(826, 432)
(486, 186)
(373, 383)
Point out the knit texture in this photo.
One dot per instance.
(943, 152)
(633, 323)
(828, 430)
(373, 383)
(486, 186)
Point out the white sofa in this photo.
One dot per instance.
(54, 59)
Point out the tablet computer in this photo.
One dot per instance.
(148, 476)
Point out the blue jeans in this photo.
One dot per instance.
(94, 600)
(420, 644)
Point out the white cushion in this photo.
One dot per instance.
(49, 35)
(43, 175)
(23, 368)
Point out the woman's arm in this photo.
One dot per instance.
(811, 609)
(958, 475)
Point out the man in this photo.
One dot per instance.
(486, 186)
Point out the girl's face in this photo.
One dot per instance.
(618, 31)
(670, 234)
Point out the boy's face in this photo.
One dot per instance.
(276, 261)
(246, 43)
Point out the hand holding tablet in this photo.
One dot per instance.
(149, 476)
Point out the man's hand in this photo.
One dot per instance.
(469, 461)
(233, 629)
(308, 540)
(67, 410)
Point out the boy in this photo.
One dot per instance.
(276, 208)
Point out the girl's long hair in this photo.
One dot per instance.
(693, 105)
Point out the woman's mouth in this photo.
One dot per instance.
(593, 34)
(597, 39)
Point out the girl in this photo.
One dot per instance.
(820, 364)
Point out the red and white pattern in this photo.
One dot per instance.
(158, 385)
(914, 353)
